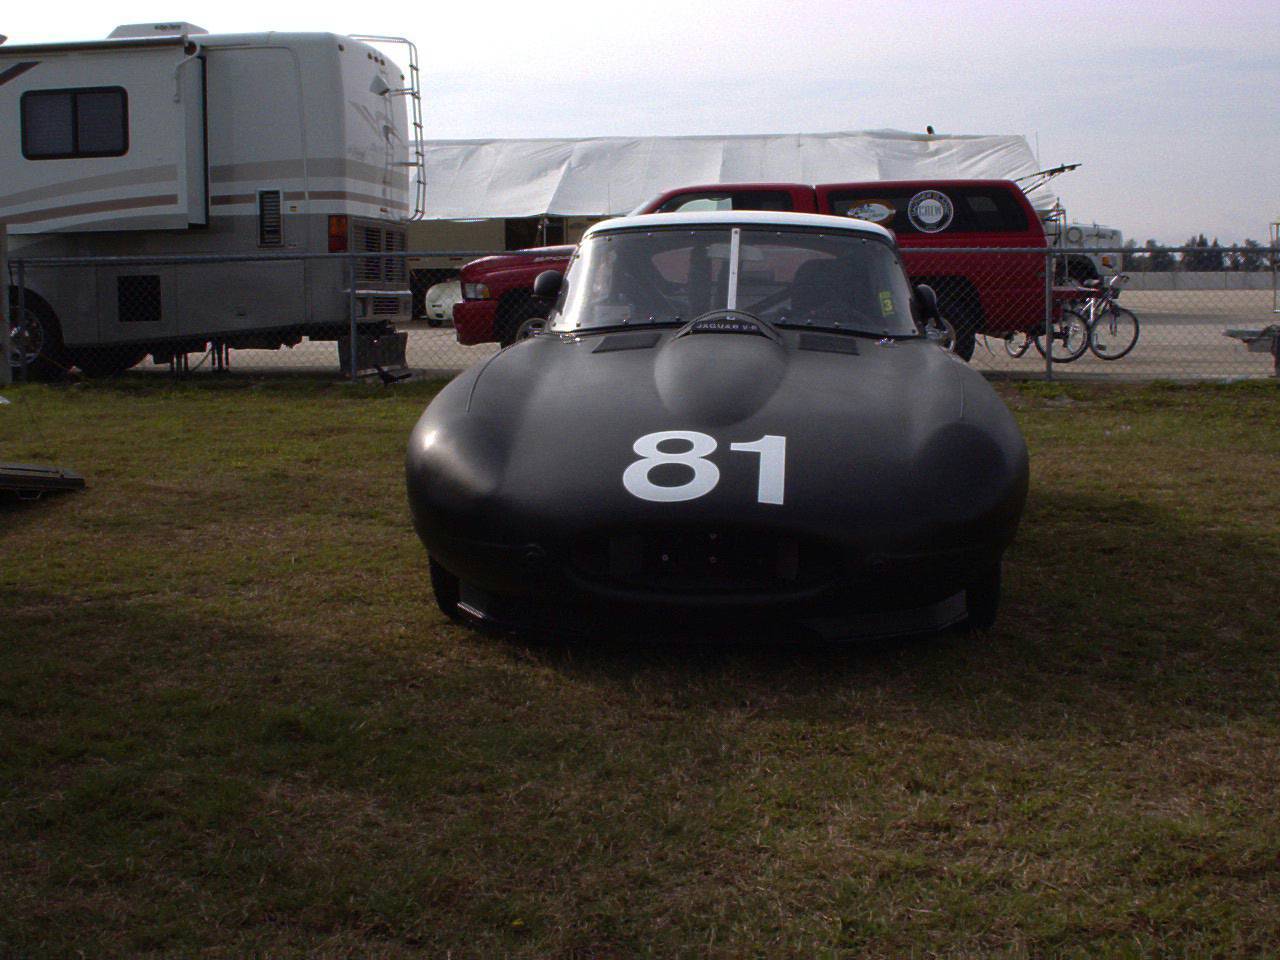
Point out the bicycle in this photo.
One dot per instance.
(1068, 338)
(1113, 330)
(1108, 330)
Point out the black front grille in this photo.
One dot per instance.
(705, 560)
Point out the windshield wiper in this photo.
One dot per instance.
(852, 331)
(615, 327)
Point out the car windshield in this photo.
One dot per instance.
(835, 279)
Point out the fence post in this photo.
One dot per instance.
(6, 348)
(22, 316)
(351, 310)
(1275, 267)
(1048, 314)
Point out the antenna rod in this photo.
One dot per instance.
(1051, 172)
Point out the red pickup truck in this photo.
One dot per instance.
(988, 291)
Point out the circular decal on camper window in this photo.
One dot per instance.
(930, 211)
(877, 211)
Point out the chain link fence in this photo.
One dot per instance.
(1011, 312)
(1137, 324)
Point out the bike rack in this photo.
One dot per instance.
(1266, 340)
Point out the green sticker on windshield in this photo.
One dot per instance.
(886, 302)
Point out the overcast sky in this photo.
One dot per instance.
(1173, 108)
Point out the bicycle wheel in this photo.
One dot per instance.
(1070, 337)
(1016, 343)
(1114, 334)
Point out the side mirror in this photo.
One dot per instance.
(547, 284)
(928, 301)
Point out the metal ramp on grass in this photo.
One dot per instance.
(381, 355)
(29, 481)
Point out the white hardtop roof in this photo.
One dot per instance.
(131, 41)
(742, 218)
(603, 176)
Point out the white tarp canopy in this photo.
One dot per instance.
(480, 179)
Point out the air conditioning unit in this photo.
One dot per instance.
(174, 29)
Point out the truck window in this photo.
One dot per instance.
(925, 210)
(722, 200)
(524, 232)
(83, 122)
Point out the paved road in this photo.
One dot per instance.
(1182, 338)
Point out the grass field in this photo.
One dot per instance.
(232, 722)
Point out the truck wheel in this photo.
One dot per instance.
(107, 361)
(36, 337)
(531, 328)
(959, 303)
(943, 333)
(446, 588)
(511, 314)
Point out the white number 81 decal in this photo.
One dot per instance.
(769, 489)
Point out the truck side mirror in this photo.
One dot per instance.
(547, 284)
(928, 301)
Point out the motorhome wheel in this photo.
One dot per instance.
(36, 337)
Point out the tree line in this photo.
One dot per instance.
(1210, 257)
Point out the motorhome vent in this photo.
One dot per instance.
(370, 239)
(374, 239)
(395, 267)
(270, 219)
(172, 29)
(138, 299)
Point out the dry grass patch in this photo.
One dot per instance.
(233, 723)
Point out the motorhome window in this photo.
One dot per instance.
(68, 124)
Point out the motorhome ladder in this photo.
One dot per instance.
(413, 90)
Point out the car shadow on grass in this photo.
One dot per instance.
(19, 510)
(1118, 616)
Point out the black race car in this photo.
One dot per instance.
(729, 417)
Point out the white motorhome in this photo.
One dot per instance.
(165, 140)
(1078, 241)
